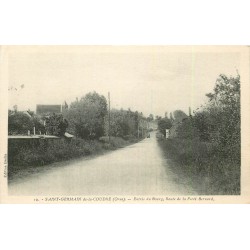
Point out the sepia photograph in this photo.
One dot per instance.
(124, 125)
(138, 123)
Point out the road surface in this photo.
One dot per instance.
(139, 169)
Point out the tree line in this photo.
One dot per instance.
(86, 118)
(218, 121)
(207, 143)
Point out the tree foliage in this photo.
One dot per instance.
(220, 118)
(22, 122)
(218, 121)
(179, 115)
(163, 124)
(126, 123)
(207, 144)
(19, 123)
(150, 118)
(55, 124)
(86, 116)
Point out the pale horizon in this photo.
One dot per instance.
(147, 79)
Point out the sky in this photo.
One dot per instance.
(150, 79)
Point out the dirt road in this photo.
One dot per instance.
(139, 169)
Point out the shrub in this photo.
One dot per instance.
(208, 143)
(203, 162)
(19, 123)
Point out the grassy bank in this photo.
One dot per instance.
(23, 154)
(214, 170)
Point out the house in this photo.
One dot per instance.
(48, 109)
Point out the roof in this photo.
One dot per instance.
(44, 109)
(32, 137)
(68, 135)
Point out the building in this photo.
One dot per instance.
(48, 109)
(51, 109)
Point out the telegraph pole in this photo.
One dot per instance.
(138, 128)
(109, 115)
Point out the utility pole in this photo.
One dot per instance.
(189, 111)
(138, 128)
(109, 115)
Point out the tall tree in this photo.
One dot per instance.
(86, 116)
(179, 115)
(163, 124)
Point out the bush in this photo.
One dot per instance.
(207, 145)
(19, 123)
(25, 153)
(203, 162)
(187, 130)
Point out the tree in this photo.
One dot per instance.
(86, 116)
(124, 123)
(19, 123)
(163, 124)
(157, 118)
(219, 120)
(226, 92)
(224, 110)
(187, 130)
(150, 118)
(56, 125)
(179, 115)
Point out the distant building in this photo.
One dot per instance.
(51, 109)
(48, 109)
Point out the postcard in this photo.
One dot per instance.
(125, 124)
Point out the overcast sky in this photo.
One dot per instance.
(148, 79)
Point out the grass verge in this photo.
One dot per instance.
(24, 154)
(215, 171)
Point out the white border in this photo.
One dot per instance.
(129, 226)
